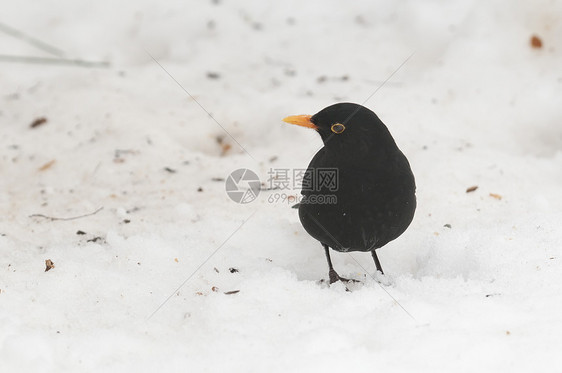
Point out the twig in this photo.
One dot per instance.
(51, 218)
(31, 40)
(54, 61)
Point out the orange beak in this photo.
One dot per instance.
(301, 120)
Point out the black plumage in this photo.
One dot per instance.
(372, 200)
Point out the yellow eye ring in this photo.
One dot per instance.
(338, 128)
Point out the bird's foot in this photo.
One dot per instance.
(382, 279)
(334, 277)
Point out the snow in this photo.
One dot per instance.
(474, 105)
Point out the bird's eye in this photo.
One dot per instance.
(338, 128)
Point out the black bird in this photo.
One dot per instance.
(359, 190)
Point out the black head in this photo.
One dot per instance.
(344, 123)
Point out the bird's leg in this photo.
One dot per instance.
(334, 277)
(377, 262)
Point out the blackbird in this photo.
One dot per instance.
(358, 192)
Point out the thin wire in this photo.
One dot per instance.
(372, 94)
(382, 287)
(201, 265)
(389, 77)
(201, 106)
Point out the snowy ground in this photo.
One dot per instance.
(475, 105)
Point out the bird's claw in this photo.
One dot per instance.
(334, 277)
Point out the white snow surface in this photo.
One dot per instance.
(143, 289)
